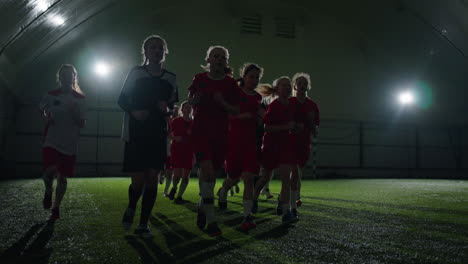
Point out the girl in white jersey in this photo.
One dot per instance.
(64, 112)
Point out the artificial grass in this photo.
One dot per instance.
(342, 221)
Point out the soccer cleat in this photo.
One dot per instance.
(161, 179)
(279, 207)
(268, 195)
(222, 205)
(201, 218)
(47, 201)
(55, 214)
(254, 206)
(294, 213)
(236, 188)
(299, 203)
(213, 229)
(231, 192)
(288, 218)
(248, 224)
(172, 194)
(127, 219)
(178, 200)
(143, 231)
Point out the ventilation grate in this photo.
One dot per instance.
(285, 28)
(251, 25)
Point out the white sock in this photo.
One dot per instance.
(247, 207)
(206, 191)
(168, 183)
(293, 199)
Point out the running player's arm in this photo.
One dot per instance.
(79, 113)
(44, 108)
(125, 99)
(270, 120)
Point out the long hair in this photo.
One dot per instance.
(206, 67)
(296, 77)
(246, 68)
(145, 45)
(75, 85)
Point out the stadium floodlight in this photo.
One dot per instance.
(406, 98)
(56, 20)
(41, 5)
(102, 69)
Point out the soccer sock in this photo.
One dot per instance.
(48, 182)
(293, 199)
(285, 208)
(247, 207)
(149, 197)
(183, 186)
(60, 192)
(168, 183)
(133, 197)
(223, 194)
(206, 191)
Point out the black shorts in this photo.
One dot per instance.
(140, 156)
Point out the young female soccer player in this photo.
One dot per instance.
(168, 172)
(213, 95)
(307, 117)
(146, 94)
(64, 112)
(242, 157)
(268, 95)
(276, 150)
(181, 150)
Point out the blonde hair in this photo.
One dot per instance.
(296, 77)
(145, 45)
(206, 67)
(75, 85)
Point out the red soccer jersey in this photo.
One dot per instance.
(181, 152)
(181, 128)
(302, 111)
(209, 116)
(248, 103)
(278, 114)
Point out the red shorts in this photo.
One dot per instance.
(301, 150)
(181, 157)
(241, 157)
(65, 163)
(213, 148)
(275, 153)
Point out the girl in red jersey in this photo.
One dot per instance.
(307, 118)
(168, 172)
(64, 111)
(213, 95)
(242, 157)
(181, 150)
(276, 149)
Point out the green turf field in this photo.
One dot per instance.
(342, 221)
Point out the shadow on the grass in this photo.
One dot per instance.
(36, 252)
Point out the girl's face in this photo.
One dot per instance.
(284, 88)
(154, 50)
(67, 78)
(301, 85)
(217, 60)
(186, 109)
(251, 79)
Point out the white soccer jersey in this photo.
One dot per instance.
(63, 132)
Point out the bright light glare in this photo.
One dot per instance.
(57, 20)
(41, 5)
(406, 98)
(102, 69)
